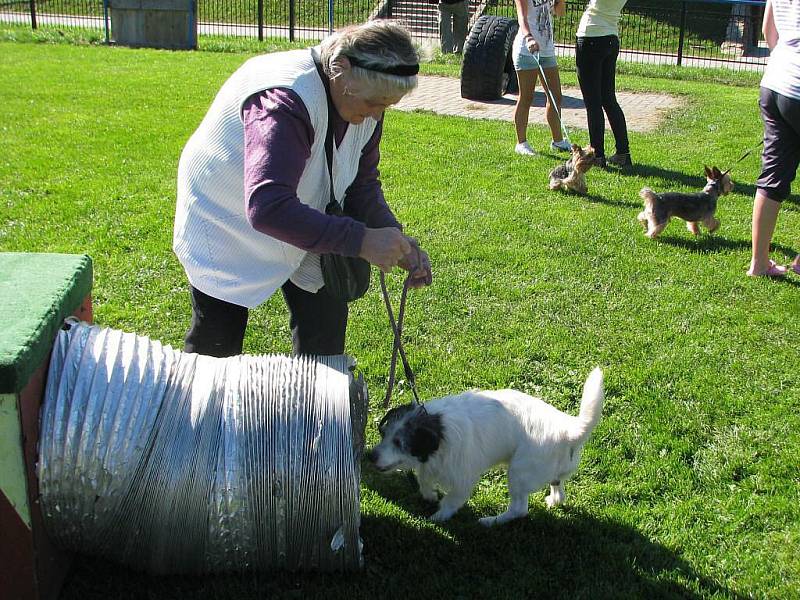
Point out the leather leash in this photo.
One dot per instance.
(397, 329)
(546, 86)
(743, 156)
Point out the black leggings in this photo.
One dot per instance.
(596, 63)
(318, 323)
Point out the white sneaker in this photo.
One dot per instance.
(525, 149)
(562, 146)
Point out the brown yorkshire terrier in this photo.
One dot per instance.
(571, 176)
(692, 208)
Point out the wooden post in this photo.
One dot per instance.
(37, 292)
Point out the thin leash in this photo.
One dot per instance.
(397, 329)
(552, 99)
(743, 156)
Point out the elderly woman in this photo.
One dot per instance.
(254, 181)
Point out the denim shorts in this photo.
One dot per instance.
(525, 61)
(781, 155)
(528, 62)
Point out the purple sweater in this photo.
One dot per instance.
(277, 143)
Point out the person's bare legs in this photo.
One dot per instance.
(765, 215)
(554, 83)
(527, 87)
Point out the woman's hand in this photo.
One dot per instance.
(531, 44)
(418, 265)
(384, 247)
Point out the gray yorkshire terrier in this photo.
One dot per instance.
(692, 208)
(571, 176)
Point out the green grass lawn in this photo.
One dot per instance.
(689, 486)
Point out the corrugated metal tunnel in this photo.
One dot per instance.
(179, 463)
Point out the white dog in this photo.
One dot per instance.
(450, 442)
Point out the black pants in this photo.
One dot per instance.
(596, 63)
(781, 156)
(318, 323)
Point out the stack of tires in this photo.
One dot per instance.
(487, 71)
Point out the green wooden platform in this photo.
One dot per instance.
(37, 291)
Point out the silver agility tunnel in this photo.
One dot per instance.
(179, 463)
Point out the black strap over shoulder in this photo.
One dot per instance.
(333, 204)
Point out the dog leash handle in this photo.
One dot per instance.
(397, 329)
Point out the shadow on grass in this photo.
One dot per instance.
(708, 244)
(691, 180)
(613, 202)
(568, 553)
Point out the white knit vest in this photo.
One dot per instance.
(222, 254)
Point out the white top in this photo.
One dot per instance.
(222, 254)
(782, 74)
(600, 18)
(540, 23)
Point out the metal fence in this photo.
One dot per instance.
(707, 33)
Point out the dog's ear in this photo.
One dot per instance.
(394, 414)
(424, 442)
(425, 435)
(709, 174)
(716, 174)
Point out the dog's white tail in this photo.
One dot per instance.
(591, 407)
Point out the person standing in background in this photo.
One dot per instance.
(453, 20)
(596, 52)
(534, 47)
(780, 110)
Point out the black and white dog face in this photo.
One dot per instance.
(409, 435)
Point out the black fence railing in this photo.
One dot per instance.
(723, 33)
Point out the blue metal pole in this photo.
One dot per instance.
(291, 20)
(260, 20)
(682, 33)
(105, 22)
(33, 13)
(330, 17)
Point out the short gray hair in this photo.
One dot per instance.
(378, 44)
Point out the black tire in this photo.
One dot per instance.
(487, 71)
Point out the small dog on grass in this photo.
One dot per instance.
(692, 208)
(450, 442)
(571, 176)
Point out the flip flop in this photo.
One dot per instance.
(795, 268)
(774, 270)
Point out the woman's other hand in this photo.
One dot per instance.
(531, 44)
(384, 247)
(418, 265)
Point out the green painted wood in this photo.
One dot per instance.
(37, 291)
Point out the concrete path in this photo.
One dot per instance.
(442, 95)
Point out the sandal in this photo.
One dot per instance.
(795, 268)
(774, 270)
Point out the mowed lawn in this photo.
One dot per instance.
(689, 486)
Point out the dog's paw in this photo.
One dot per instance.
(554, 499)
(441, 516)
